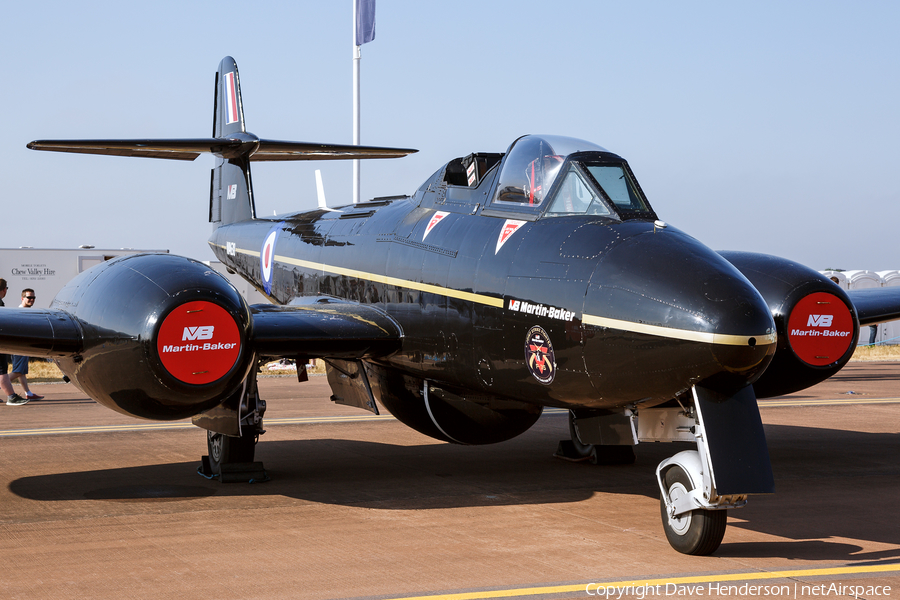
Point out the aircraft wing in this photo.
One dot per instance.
(39, 332)
(324, 329)
(876, 305)
(191, 148)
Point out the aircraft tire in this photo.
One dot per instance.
(225, 449)
(600, 455)
(699, 532)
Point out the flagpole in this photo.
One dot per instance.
(356, 58)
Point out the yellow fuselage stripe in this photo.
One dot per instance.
(681, 334)
(394, 281)
(630, 326)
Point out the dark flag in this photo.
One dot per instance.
(365, 21)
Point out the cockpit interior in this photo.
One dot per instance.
(551, 176)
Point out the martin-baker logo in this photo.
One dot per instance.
(819, 320)
(822, 322)
(198, 342)
(204, 332)
(820, 329)
(198, 333)
(540, 310)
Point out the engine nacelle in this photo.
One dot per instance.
(444, 415)
(816, 322)
(164, 337)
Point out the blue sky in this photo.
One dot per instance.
(768, 126)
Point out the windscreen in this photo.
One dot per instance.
(574, 196)
(601, 187)
(619, 186)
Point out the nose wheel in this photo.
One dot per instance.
(697, 532)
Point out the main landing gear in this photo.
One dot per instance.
(225, 449)
(233, 430)
(697, 487)
(587, 442)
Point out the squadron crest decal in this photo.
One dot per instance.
(539, 355)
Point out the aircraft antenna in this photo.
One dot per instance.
(320, 190)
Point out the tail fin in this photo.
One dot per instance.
(228, 111)
(231, 188)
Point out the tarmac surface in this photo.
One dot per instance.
(97, 505)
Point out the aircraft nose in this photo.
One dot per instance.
(662, 301)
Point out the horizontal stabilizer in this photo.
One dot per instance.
(39, 332)
(323, 329)
(876, 305)
(277, 150)
(231, 147)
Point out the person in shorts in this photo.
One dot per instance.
(20, 363)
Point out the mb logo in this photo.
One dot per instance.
(819, 320)
(198, 333)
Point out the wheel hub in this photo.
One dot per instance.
(681, 523)
(215, 446)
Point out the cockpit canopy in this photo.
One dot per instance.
(563, 176)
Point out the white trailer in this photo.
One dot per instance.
(48, 270)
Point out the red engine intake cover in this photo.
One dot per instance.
(198, 342)
(820, 329)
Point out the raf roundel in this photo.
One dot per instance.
(199, 342)
(267, 260)
(539, 355)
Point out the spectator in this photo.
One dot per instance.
(20, 363)
(12, 398)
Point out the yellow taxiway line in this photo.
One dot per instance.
(188, 425)
(616, 589)
(853, 399)
(363, 418)
(185, 425)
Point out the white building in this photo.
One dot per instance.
(887, 333)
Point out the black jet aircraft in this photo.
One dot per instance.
(539, 277)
